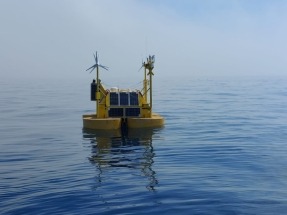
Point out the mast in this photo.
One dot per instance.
(145, 85)
(97, 93)
(150, 89)
(149, 65)
(96, 66)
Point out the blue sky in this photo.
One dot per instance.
(189, 37)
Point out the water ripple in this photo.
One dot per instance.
(222, 151)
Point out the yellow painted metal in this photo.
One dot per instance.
(97, 93)
(145, 84)
(98, 96)
(107, 104)
(155, 121)
(145, 111)
(101, 111)
(108, 100)
(101, 99)
(150, 88)
(90, 121)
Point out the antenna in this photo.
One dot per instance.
(146, 45)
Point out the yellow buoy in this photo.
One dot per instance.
(116, 108)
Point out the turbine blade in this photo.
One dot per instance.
(104, 67)
(96, 58)
(91, 67)
(92, 70)
(143, 64)
(140, 68)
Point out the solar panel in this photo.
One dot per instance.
(124, 98)
(134, 99)
(116, 112)
(114, 98)
(132, 112)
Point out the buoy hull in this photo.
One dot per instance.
(90, 121)
(153, 122)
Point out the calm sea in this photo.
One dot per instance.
(222, 151)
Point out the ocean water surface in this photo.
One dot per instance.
(222, 150)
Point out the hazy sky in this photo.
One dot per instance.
(188, 37)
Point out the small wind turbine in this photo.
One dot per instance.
(97, 65)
